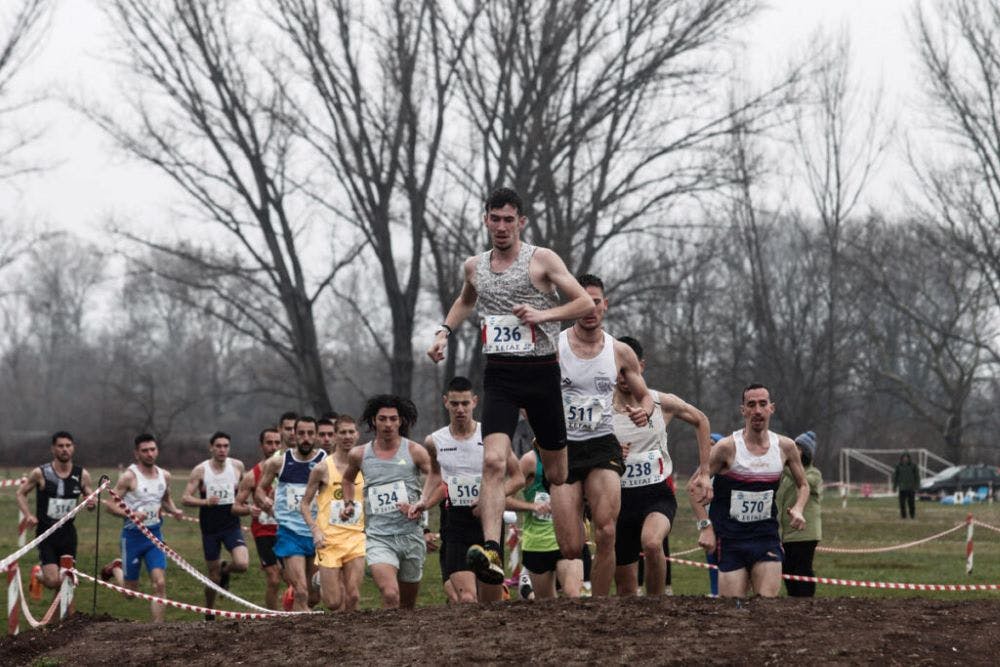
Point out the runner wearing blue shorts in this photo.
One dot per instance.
(145, 488)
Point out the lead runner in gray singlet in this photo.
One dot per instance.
(515, 288)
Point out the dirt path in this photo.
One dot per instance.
(678, 630)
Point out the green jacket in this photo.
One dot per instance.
(905, 477)
(787, 493)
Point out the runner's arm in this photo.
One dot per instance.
(578, 302)
(242, 504)
(168, 500)
(122, 486)
(85, 485)
(460, 310)
(347, 481)
(317, 478)
(34, 479)
(628, 362)
(438, 494)
(267, 474)
(427, 463)
(790, 453)
(190, 497)
(673, 406)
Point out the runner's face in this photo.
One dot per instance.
(504, 225)
(757, 409)
(305, 436)
(146, 453)
(219, 449)
(270, 444)
(387, 422)
(460, 405)
(347, 436)
(62, 450)
(325, 433)
(288, 432)
(594, 320)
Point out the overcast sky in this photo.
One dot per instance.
(90, 180)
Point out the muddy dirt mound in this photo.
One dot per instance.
(677, 630)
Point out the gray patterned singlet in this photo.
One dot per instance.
(499, 292)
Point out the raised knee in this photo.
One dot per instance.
(652, 549)
(493, 463)
(605, 534)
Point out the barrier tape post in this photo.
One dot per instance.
(67, 565)
(13, 618)
(97, 539)
(968, 543)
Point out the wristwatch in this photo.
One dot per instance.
(702, 524)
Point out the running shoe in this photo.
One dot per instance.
(108, 571)
(35, 583)
(486, 564)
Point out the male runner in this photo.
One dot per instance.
(591, 362)
(648, 501)
(263, 527)
(743, 528)
(393, 505)
(294, 543)
(59, 485)
(145, 488)
(340, 543)
(212, 487)
(326, 435)
(458, 450)
(286, 423)
(514, 288)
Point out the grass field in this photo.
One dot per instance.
(864, 523)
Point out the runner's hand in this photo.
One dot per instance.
(31, 520)
(318, 536)
(177, 514)
(431, 541)
(637, 415)
(140, 516)
(414, 511)
(437, 348)
(626, 447)
(798, 521)
(700, 488)
(348, 510)
(212, 501)
(542, 508)
(706, 539)
(528, 314)
(267, 505)
(91, 504)
(255, 511)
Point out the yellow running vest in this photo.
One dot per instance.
(331, 500)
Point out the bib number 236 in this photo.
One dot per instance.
(506, 333)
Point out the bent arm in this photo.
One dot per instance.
(34, 480)
(578, 302)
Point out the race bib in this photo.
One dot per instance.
(224, 492)
(505, 333)
(747, 506)
(542, 497)
(585, 416)
(60, 507)
(643, 469)
(336, 507)
(152, 511)
(266, 519)
(463, 490)
(293, 497)
(384, 498)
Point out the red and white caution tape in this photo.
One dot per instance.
(893, 547)
(985, 525)
(188, 607)
(27, 610)
(863, 584)
(4, 483)
(687, 552)
(187, 567)
(69, 515)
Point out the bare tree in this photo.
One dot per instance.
(382, 73)
(211, 117)
(959, 47)
(22, 24)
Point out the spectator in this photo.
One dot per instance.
(800, 545)
(906, 478)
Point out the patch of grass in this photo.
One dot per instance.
(864, 523)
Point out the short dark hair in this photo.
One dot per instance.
(404, 406)
(325, 422)
(62, 434)
(590, 280)
(753, 385)
(634, 344)
(145, 437)
(459, 383)
(260, 438)
(503, 196)
(343, 419)
(285, 416)
(217, 435)
(329, 416)
(304, 418)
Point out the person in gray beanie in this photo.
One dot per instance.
(800, 545)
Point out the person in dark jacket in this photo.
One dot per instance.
(906, 478)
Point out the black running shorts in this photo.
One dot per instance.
(60, 543)
(532, 383)
(637, 504)
(602, 452)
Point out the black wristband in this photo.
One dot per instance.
(447, 328)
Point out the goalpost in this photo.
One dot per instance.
(925, 459)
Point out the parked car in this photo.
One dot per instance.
(960, 478)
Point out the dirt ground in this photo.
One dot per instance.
(675, 630)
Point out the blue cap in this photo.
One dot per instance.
(807, 441)
(716, 437)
